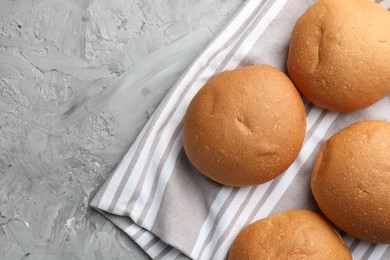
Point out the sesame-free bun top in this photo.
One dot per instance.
(351, 180)
(294, 235)
(339, 56)
(245, 126)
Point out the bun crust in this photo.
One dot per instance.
(339, 56)
(245, 126)
(295, 234)
(351, 180)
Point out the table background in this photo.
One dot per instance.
(78, 80)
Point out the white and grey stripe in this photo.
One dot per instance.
(178, 99)
(148, 184)
(119, 178)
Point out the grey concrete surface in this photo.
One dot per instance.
(78, 80)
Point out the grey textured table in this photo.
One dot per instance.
(78, 80)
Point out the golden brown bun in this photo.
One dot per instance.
(295, 234)
(339, 55)
(351, 180)
(245, 126)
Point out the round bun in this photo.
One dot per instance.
(295, 234)
(351, 180)
(245, 126)
(339, 56)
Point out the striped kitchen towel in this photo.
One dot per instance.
(157, 197)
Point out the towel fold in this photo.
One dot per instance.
(160, 200)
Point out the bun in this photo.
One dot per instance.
(351, 180)
(245, 126)
(295, 234)
(339, 56)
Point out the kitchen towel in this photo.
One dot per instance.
(160, 200)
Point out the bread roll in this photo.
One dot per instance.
(295, 234)
(351, 180)
(339, 56)
(245, 126)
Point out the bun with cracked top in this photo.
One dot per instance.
(245, 126)
(294, 234)
(351, 180)
(339, 56)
